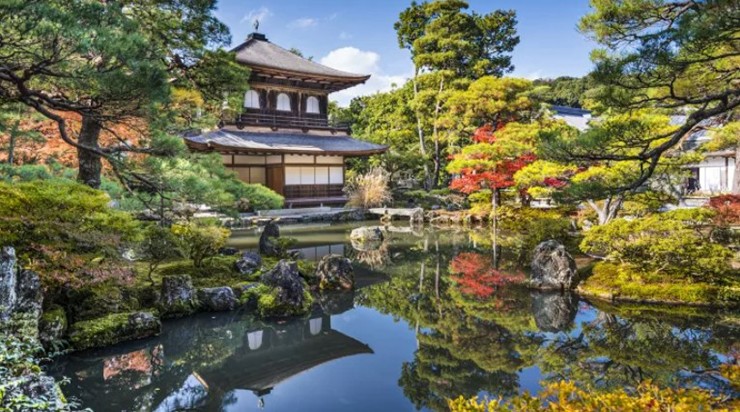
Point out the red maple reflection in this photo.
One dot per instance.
(475, 275)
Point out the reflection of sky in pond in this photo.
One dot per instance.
(407, 338)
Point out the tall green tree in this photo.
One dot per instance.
(450, 47)
(679, 56)
(110, 62)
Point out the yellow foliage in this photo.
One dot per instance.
(565, 396)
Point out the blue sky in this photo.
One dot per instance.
(358, 36)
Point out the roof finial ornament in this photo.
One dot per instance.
(256, 25)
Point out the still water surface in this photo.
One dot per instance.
(432, 318)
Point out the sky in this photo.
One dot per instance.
(358, 36)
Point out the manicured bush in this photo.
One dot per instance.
(65, 231)
(257, 197)
(671, 245)
(200, 239)
(523, 228)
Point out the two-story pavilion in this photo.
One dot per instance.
(283, 137)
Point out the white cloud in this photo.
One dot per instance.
(303, 23)
(354, 60)
(261, 14)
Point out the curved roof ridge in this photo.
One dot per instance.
(260, 52)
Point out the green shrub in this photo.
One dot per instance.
(258, 197)
(65, 231)
(663, 246)
(200, 239)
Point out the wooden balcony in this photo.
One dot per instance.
(287, 120)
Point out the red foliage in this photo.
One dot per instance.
(501, 177)
(52, 147)
(477, 277)
(554, 182)
(727, 208)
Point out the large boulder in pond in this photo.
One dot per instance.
(178, 297)
(335, 272)
(112, 329)
(553, 268)
(268, 243)
(217, 299)
(248, 263)
(366, 234)
(553, 311)
(283, 291)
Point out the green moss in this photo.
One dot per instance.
(55, 315)
(102, 299)
(109, 330)
(215, 272)
(616, 282)
(264, 300)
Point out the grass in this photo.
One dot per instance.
(610, 281)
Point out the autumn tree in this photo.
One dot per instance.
(449, 47)
(679, 56)
(508, 119)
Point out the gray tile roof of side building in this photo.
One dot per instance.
(258, 51)
(573, 116)
(228, 139)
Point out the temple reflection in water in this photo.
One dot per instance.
(185, 368)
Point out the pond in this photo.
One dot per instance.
(436, 314)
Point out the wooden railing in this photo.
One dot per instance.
(287, 120)
(312, 191)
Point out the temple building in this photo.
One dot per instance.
(283, 138)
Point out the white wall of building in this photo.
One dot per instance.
(716, 174)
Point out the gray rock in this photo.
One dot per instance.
(28, 293)
(228, 251)
(288, 284)
(178, 297)
(217, 299)
(37, 387)
(20, 290)
(554, 312)
(8, 280)
(553, 267)
(335, 272)
(367, 234)
(248, 263)
(268, 243)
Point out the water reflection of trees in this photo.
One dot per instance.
(476, 331)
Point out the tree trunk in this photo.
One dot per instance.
(420, 131)
(736, 177)
(11, 143)
(90, 163)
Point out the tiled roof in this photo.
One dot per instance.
(282, 142)
(573, 116)
(258, 51)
